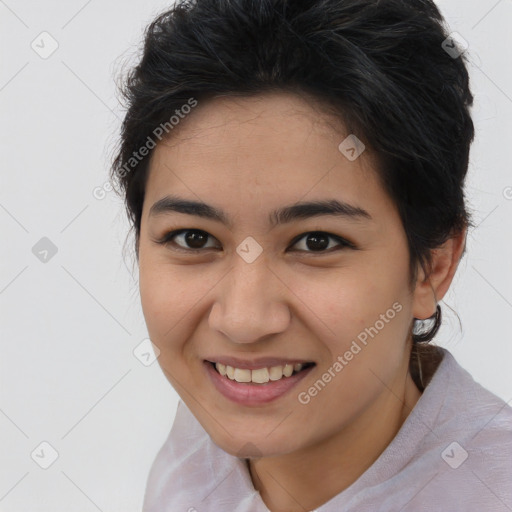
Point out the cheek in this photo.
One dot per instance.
(173, 298)
(363, 326)
(166, 310)
(161, 292)
(347, 301)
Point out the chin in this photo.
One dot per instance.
(258, 446)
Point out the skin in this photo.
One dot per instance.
(249, 156)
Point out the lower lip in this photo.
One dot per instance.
(254, 394)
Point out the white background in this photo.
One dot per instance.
(69, 326)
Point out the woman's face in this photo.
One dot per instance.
(259, 290)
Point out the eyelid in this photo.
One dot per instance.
(166, 239)
(343, 242)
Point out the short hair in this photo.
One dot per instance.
(379, 65)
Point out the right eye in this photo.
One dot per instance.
(195, 238)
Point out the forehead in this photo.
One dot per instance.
(271, 149)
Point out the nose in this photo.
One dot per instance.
(250, 304)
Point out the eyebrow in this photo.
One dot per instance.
(287, 214)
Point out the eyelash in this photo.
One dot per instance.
(167, 239)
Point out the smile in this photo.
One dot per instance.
(260, 375)
(257, 385)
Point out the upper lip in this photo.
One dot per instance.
(254, 364)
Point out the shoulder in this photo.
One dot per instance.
(470, 411)
(469, 448)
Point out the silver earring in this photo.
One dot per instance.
(425, 329)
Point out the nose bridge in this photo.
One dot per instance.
(249, 305)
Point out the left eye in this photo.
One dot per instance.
(314, 241)
(318, 241)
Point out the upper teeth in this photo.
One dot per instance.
(259, 376)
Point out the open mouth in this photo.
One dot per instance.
(260, 375)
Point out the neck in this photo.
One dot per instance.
(286, 482)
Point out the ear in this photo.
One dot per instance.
(430, 290)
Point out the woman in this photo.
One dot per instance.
(294, 174)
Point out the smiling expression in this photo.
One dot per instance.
(261, 244)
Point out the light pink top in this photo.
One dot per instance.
(453, 453)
